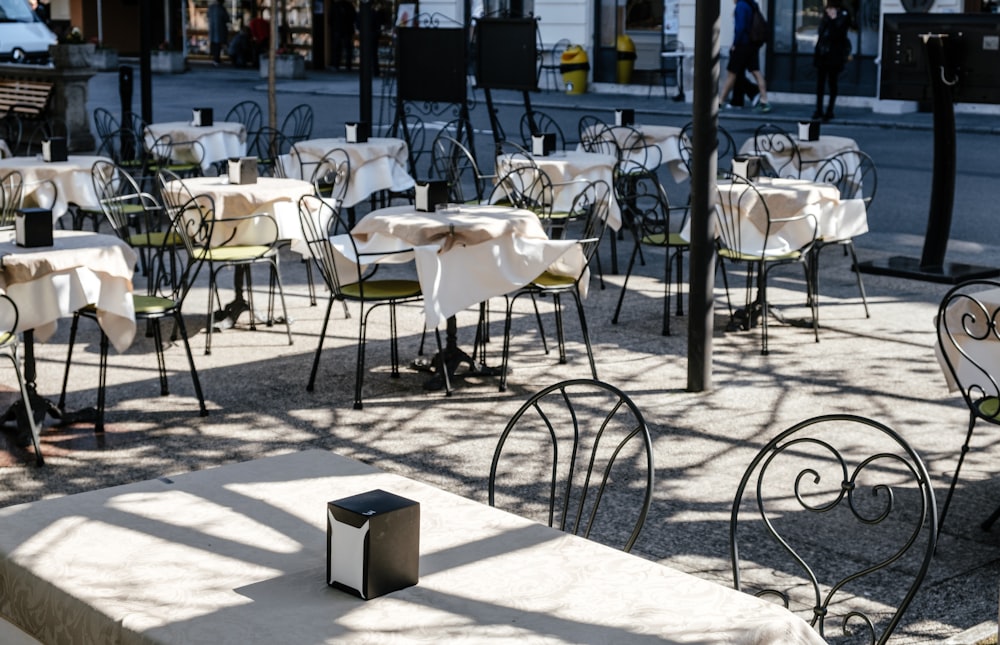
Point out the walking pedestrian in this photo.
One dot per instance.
(744, 55)
(832, 51)
(218, 30)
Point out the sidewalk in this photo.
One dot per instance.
(254, 382)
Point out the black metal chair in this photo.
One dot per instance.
(740, 209)
(454, 163)
(330, 176)
(163, 299)
(348, 280)
(250, 114)
(298, 124)
(671, 69)
(967, 335)
(832, 503)
(725, 147)
(577, 456)
(8, 348)
(11, 197)
(544, 124)
(269, 147)
(104, 123)
(591, 207)
(854, 174)
(773, 142)
(550, 61)
(655, 224)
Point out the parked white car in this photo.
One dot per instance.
(23, 37)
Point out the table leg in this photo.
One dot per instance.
(452, 356)
(226, 317)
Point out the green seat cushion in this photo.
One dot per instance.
(151, 305)
(233, 253)
(754, 257)
(155, 239)
(662, 239)
(550, 280)
(382, 289)
(989, 407)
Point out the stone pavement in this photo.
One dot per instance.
(881, 367)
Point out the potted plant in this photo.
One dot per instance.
(103, 59)
(71, 50)
(287, 64)
(167, 60)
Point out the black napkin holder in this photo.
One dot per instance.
(243, 170)
(746, 166)
(201, 117)
(373, 543)
(625, 116)
(429, 194)
(544, 144)
(33, 227)
(809, 130)
(54, 149)
(358, 132)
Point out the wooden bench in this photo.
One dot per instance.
(24, 101)
(25, 98)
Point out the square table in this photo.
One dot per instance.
(72, 179)
(378, 164)
(465, 256)
(237, 554)
(810, 153)
(666, 138)
(220, 141)
(566, 168)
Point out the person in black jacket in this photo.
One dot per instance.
(832, 51)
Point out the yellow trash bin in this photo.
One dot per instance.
(574, 67)
(626, 59)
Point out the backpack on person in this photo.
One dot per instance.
(759, 29)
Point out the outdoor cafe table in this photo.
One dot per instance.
(835, 218)
(48, 283)
(568, 170)
(810, 152)
(221, 140)
(378, 164)
(666, 138)
(72, 180)
(237, 555)
(275, 195)
(464, 256)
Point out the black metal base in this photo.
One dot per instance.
(906, 267)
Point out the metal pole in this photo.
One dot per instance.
(145, 70)
(704, 164)
(939, 218)
(365, 23)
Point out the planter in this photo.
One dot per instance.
(285, 66)
(104, 60)
(167, 62)
(70, 56)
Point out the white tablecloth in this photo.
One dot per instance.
(49, 283)
(835, 218)
(275, 195)
(496, 249)
(664, 137)
(221, 140)
(378, 164)
(72, 180)
(237, 556)
(566, 169)
(809, 151)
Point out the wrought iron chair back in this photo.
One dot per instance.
(571, 453)
(454, 163)
(526, 186)
(105, 123)
(544, 124)
(250, 114)
(298, 124)
(771, 139)
(854, 174)
(840, 478)
(331, 175)
(588, 128)
(725, 147)
(268, 147)
(11, 197)
(967, 335)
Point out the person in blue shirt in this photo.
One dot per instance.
(744, 56)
